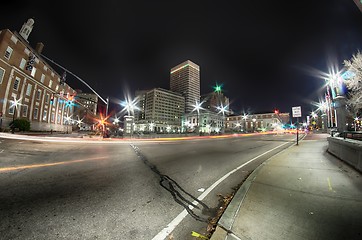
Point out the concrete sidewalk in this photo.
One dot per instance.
(301, 193)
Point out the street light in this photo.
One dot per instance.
(245, 116)
(14, 105)
(129, 106)
(68, 119)
(79, 122)
(254, 120)
(151, 126)
(334, 83)
(238, 125)
(223, 109)
(198, 107)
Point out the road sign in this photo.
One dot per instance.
(297, 111)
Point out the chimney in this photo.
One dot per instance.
(39, 47)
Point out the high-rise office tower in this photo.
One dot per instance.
(185, 79)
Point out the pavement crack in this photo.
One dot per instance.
(180, 195)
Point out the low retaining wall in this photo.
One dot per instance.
(347, 150)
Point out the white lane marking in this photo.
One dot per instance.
(201, 190)
(2, 151)
(173, 224)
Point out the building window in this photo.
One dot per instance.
(52, 117)
(47, 98)
(24, 110)
(42, 78)
(35, 113)
(45, 115)
(16, 83)
(2, 71)
(33, 71)
(58, 118)
(38, 94)
(28, 89)
(14, 39)
(22, 63)
(11, 109)
(50, 83)
(8, 53)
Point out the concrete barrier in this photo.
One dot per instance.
(348, 150)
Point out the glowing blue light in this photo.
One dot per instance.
(348, 74)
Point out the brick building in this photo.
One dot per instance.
(29, 81)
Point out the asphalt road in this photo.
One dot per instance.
(122, 189)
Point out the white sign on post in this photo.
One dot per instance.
(297, 111)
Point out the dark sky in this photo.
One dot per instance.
(259, 50)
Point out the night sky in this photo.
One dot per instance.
(262, 52)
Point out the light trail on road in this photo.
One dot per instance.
(8, 169)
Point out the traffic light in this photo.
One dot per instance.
(30, 63)
(52, 99)
(276, 111)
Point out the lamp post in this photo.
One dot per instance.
(129, 106)
(197, 108)
(245, 116)
(222, 109)
(68, 121)
(14, 105)
(81, 80)
(334, 82)
(254, 120)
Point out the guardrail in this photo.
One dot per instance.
(348, 150)
(351, 135)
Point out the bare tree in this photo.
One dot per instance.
(354, 82)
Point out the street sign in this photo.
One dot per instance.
(297, 111)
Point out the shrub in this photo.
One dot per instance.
(21, 123)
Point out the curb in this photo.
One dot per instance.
(227, 220)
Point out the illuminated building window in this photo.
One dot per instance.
(28, 89)
(24, 110)
(22, 64)
(2, 71)
(33, 71)
(45, 115)
(8, 52)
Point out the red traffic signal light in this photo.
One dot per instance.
(52, 99)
